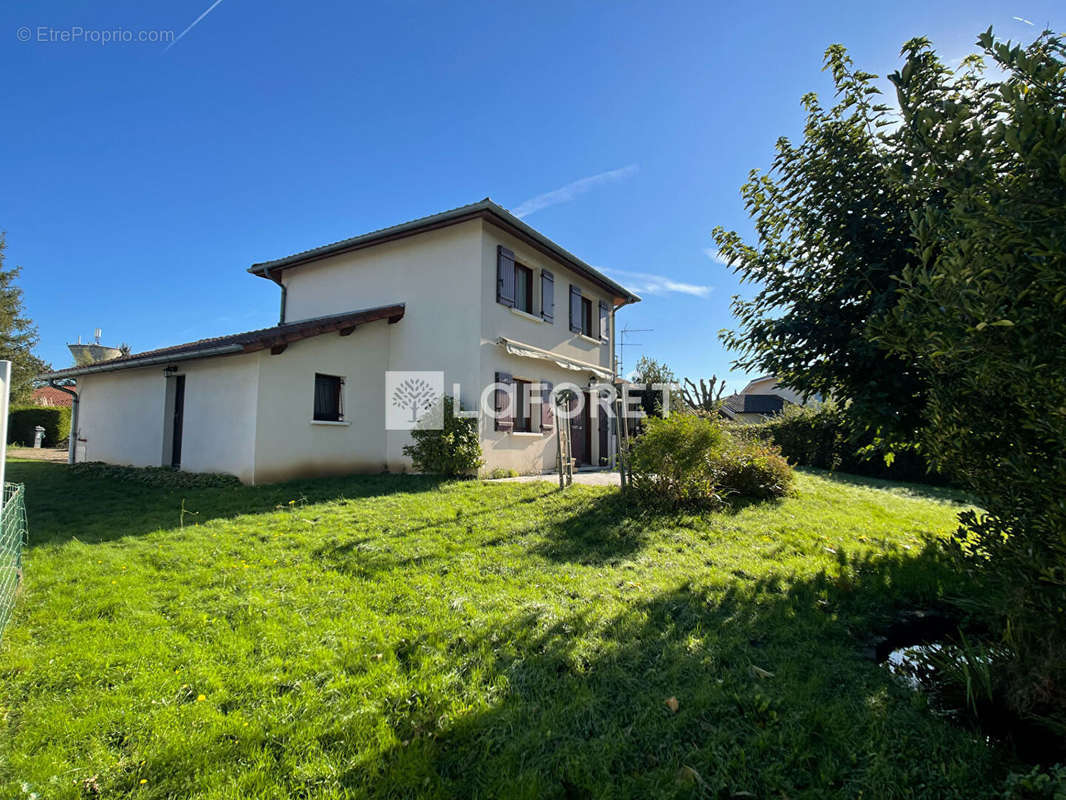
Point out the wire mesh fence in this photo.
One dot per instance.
(13, 532)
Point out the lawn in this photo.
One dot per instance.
(399, 637)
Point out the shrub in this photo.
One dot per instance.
(500, 472)
(687, 459)
(825, 437)
(453, 451)
(22, 421)
(753, 469)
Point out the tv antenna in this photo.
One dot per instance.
(622, 343)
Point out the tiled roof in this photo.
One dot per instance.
(51, 396)
(483, 209)
(280, 336)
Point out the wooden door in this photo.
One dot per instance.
(579, 431)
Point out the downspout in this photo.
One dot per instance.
(284, 294)
(73, 438)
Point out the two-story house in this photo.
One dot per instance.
(473, 292)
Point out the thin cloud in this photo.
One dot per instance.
(716, 256)
(1022, 19)
(567, 193)
(195, 22)
(645, 283)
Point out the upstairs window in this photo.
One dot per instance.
(586, 316)
(328, 391)
(523, 288)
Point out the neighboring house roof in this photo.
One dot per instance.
(277, 338)
(51, 396)
(485, 209)
(763, 403)
(753, 404)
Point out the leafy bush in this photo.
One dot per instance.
(753, 469)
(825, 437)
(22, 421)
(500, 472)
(687, 459)
(453, 451)
(673, 460)
(165, 477)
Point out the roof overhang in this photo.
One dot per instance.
(484, 210)
(275, 339)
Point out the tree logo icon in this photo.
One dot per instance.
(415, 396)
(412, 399)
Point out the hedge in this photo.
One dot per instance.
(22, 421)
(823, 437)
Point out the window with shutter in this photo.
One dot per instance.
(328, 398)
(523, 419)
(586, 316)
(575, 309)
(605, 322)
(504, 402)
(523, 288)
(547, 296)
(504, 276)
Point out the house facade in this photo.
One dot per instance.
(473, 293)
(761, 398)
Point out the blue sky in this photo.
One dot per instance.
(139, 182)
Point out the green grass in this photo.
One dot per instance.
(401, 637)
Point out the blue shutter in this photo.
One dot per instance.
(575, 309)
(504, 276)
(547, 296)
(605, 322)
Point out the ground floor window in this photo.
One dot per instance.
(523, 419)
(328, 406)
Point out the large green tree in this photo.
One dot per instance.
(18, 334)
(982, 311)
(912, 263)
(833, 232)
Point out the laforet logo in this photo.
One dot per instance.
(413, 399)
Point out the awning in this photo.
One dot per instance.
(523, 350)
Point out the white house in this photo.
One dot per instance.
(761, 398)
(473, 292)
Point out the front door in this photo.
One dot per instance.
(579, 432)
(179, 414)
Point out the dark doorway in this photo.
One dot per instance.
(579, 432)
(179, 415)
(604, 425)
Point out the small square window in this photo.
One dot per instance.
(328, 406)
(523, 288)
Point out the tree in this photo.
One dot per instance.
(982, 311)
(833, 237)
(706, 397)
(18, 335)
(914, 267)
(652, 373)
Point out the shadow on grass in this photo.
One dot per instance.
(61, 505)
(607, 528)
(918, 490)
(774, 700)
